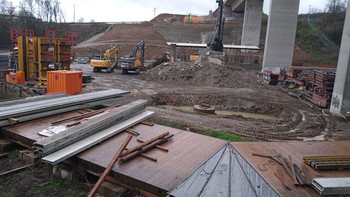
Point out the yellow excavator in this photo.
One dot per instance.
(105, 63)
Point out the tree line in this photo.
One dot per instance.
(44, 10)
(37, 15)
(331, 19)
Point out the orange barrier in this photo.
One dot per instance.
(21, 78)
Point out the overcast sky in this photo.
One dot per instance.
(143, 10)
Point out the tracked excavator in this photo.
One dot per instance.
(105, 63)
(135, 61)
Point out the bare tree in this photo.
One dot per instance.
(56, 9)
(11, 9)
(39, 9)
(4, 6)
(48, 10)
(336, 6)
(30, 5)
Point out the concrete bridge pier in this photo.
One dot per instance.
(252, 22)
(281, 31)
(341, 93)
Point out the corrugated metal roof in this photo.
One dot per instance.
(226, 173)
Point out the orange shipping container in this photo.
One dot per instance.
(11, 78)
(20, 77)
(70, 82)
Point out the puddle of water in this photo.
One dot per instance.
(222, 112)
(247, 115)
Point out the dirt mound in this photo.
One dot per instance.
(195, 74)
(125, 36)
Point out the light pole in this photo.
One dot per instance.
(73, 13)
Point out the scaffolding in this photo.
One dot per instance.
(63, 55)
(35, 54)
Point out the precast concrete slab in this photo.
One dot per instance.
(235, 5)
(281, 31)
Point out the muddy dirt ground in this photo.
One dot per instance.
(35, 180)
(294, 119)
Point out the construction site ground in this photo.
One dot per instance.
(35, 181)
(245, 106)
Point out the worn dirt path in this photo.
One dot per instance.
(297, 120)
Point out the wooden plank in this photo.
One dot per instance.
(15, 170)
(4, 155)
(71, 135)
(110, 166)
(12, 120)
(94, 139)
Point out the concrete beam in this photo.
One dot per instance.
(235, 5)
(252, 22)
(281, 31)
(341, 93)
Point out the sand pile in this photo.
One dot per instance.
(194, 74)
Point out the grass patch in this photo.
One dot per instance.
(165, 122)
(53, 185)
(14, 154)
(97, 107)
(182, 109)
(224, 136)
(313, 43)
(11, 193)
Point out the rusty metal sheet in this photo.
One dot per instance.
(187, 151)
(297, 150)
(29, 130)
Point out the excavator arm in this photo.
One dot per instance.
(105, 63)
(215, 42)
(110, 51)
(135, 61)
